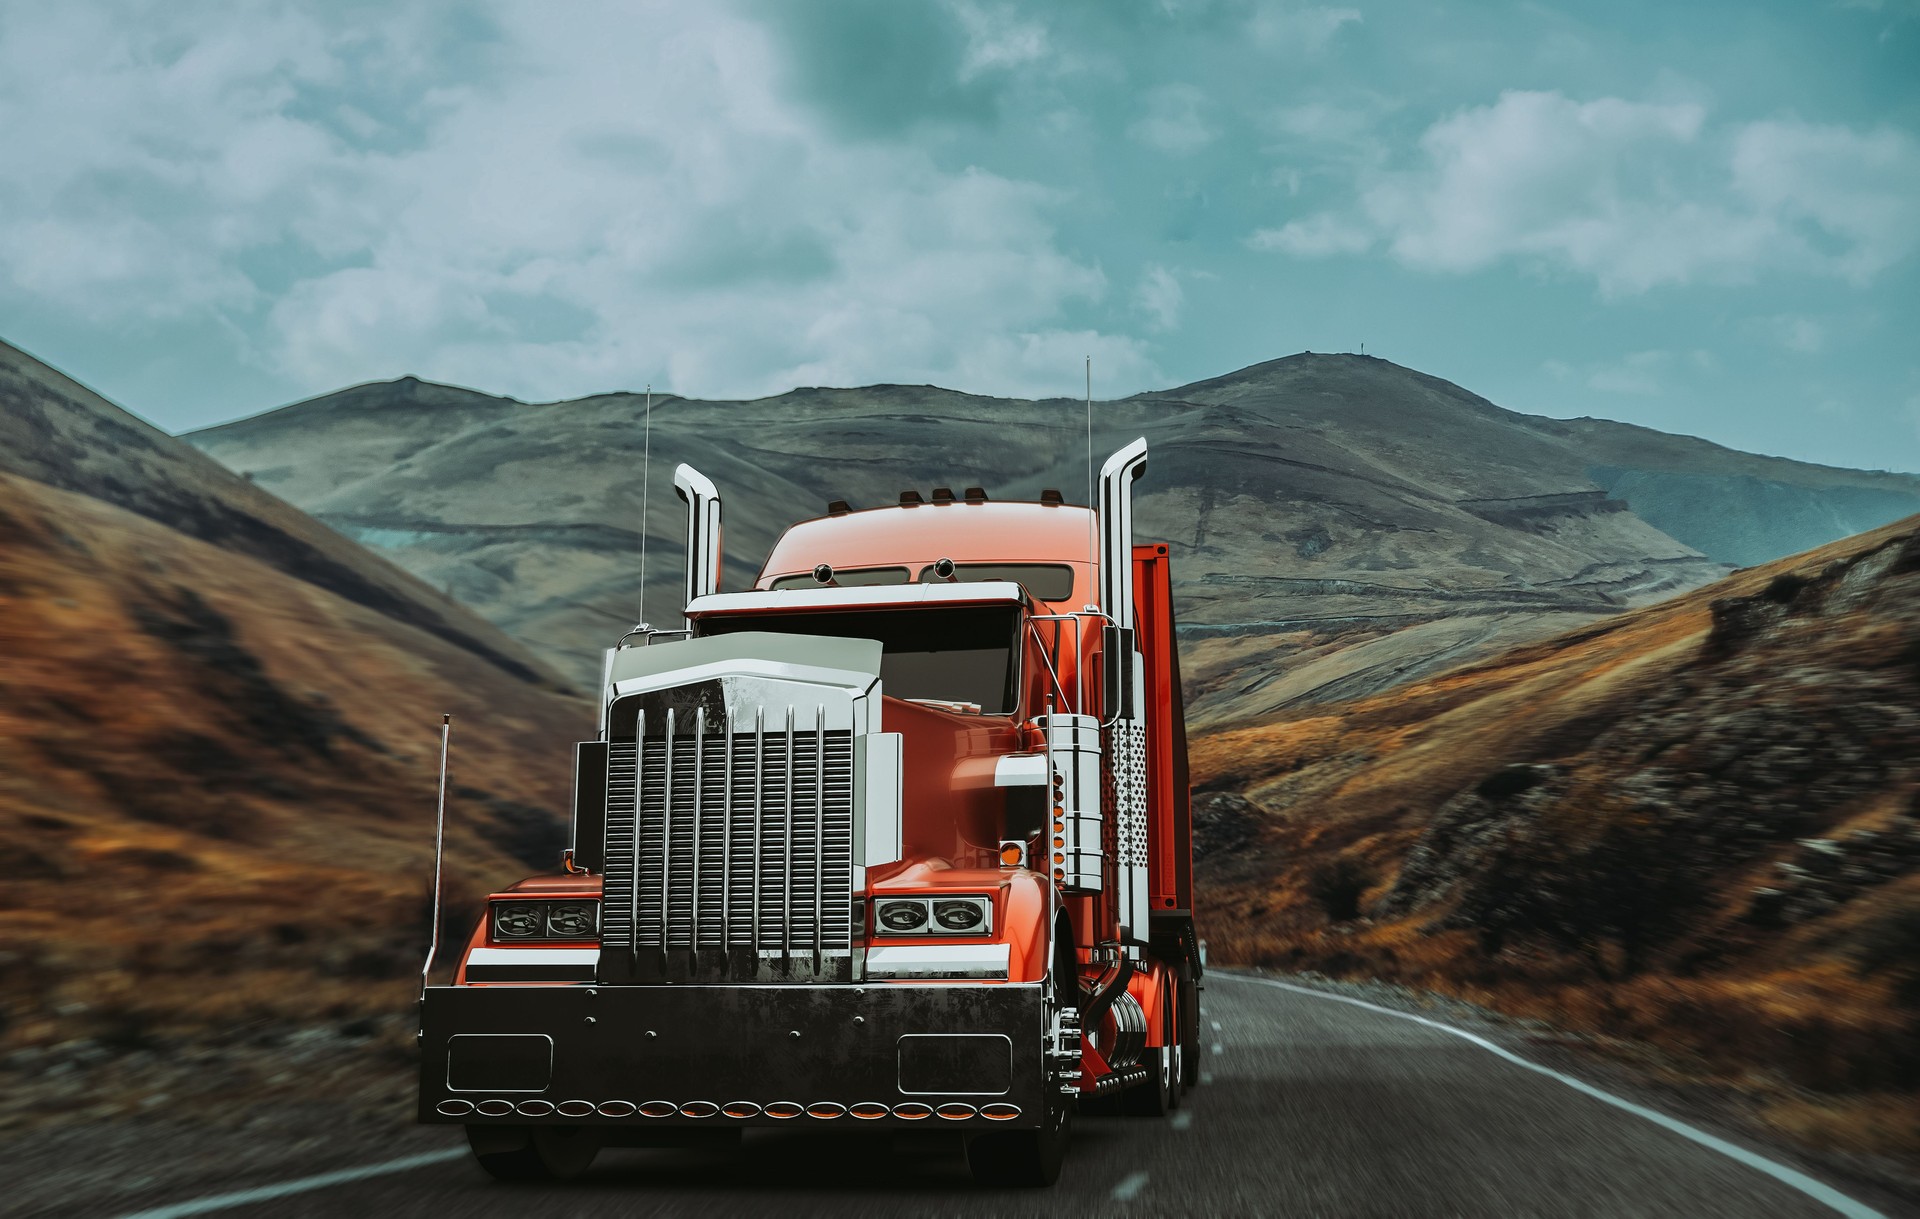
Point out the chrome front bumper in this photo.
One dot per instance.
(902, 1054)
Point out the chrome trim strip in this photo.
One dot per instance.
(786, 847)
(819, 830)
(1020, 770)
(666, 845)
(726, 845)
(640, 786)
(759, 813)
(699, 784)
(971, 592)
(989, 959)
(534, 956)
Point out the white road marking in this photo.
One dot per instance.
(266, 1193)
(1182, 1120)
(1216, 1026)
(1816, 1190)
(1218, 1048)
(1129, 1187)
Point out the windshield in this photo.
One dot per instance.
(949, 655)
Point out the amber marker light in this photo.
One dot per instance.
(1011, 854)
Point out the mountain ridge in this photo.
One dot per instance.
(1287, 488)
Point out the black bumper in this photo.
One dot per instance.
(893, 1054)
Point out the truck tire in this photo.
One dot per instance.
(533, 1153)
(1189, 991)
(1027, 1159)
(1157, 1096)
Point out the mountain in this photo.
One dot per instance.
(1341, 523)
(219, 732)
(1695, 824)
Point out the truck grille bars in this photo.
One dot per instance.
(729, 849)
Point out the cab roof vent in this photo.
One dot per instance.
(1052, 497)
(943, 495)
(975, 495)
(838, 507)
(910, 499)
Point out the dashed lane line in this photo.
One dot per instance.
(1793, 1179)
(1130, 1187)
(267, 1193)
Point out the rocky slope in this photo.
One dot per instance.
(1348, 522)
(218, 747)
(1695, 824)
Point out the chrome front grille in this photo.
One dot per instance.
(730, 848)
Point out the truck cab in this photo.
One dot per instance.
(898, 836)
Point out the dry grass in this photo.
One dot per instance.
(1818, 1021)
(216, 786)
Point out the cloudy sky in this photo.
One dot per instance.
(1703, 217)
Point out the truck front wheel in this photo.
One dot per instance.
(533, 1153)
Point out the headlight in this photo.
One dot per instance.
(901, 915)
(961, 914)
(570, 921)
(934, 915)
(517, 920)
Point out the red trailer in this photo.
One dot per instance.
(897, 837)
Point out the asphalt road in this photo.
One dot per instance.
(1311, 1106)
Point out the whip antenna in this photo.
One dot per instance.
(646, 469)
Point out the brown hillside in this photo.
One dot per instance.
(216, 793)
(1692, 825)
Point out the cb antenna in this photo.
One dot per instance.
(646, 469)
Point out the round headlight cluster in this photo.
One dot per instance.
(570, 921)
(901, 915)
(517, 920)
(934, 915)
(964, 914)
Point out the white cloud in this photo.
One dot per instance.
(998, 38)
(1317, 236)
(1159, 297)
(1795, 332)
(1635, 195)
(1646, 374)
(1299, 27)
(569, 220)
(1174, 121)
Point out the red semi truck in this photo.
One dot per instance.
(898, 837)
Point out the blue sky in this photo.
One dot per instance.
(1701, 217)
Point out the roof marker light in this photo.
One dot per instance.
(975, 495)
(943, 495)
(910, 499)
(838, 507)
(823, 574)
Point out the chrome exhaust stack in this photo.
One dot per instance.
(1125, 709)
(702, 498)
